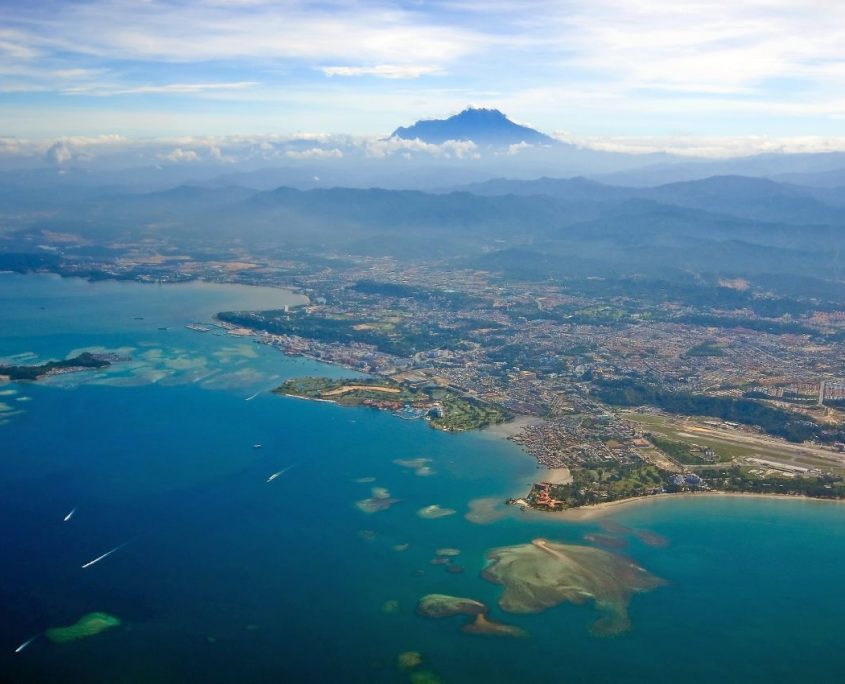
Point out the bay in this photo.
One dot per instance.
(228, 577)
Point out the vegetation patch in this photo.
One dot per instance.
(600, 483)
(684, 453)
(704, 349)
(775, 421)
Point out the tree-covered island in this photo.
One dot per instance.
(80, 362)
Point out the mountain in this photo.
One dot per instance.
(557, 229)
(756, 199)
(482, 126)
(571, 189)
(774, 165)
(835, 178)
(752, 198)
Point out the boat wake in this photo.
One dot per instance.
(281, 472)
(105, 555)
(26, 643)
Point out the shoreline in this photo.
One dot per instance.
(299, 396)
(510, 429)
(601, 510)
(111, 278)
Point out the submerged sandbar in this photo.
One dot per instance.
(543, 574)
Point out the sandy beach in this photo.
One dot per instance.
(555, 476)
(602, 510)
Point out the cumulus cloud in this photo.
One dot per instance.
(315, 153)
(215, 153)
(58, 153)
(113, 151)
(461, 149)
(179, 155)
(516, 148)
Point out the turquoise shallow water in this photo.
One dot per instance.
(229, 578)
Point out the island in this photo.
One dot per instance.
(80, 362)
(88, 625)
(543, 574)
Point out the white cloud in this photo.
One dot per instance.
(170, 88)
(58, 153)
(315, 153)
(686, 57)
(381, 148)
(215, 153)
(165, 31)
(180, 156)
(710, 147)
(394, 71)
(519, 147)
(115, 150)
(705, 46)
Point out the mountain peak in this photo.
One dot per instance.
(482, 126)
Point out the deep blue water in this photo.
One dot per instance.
(229, 578)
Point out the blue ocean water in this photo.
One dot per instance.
(229, 578)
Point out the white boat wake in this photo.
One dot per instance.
(105, 555)
(281, 472)
(26, 643)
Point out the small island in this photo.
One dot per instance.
(86, 626)
(443, 408)
(543, 574)
(80, 362)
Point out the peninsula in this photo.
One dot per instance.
(442, 408)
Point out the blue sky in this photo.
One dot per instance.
(588, 68)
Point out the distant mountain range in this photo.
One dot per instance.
(482, 126)
(730, 226)
(758, 199)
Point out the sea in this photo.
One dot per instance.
(220, 575)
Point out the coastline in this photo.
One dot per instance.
(299, 396)
(601, 510)
(511, 428)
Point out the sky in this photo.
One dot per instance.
(580, 69)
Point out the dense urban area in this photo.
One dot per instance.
(637, 387)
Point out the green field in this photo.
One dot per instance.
(461, 414)
(679, 430)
